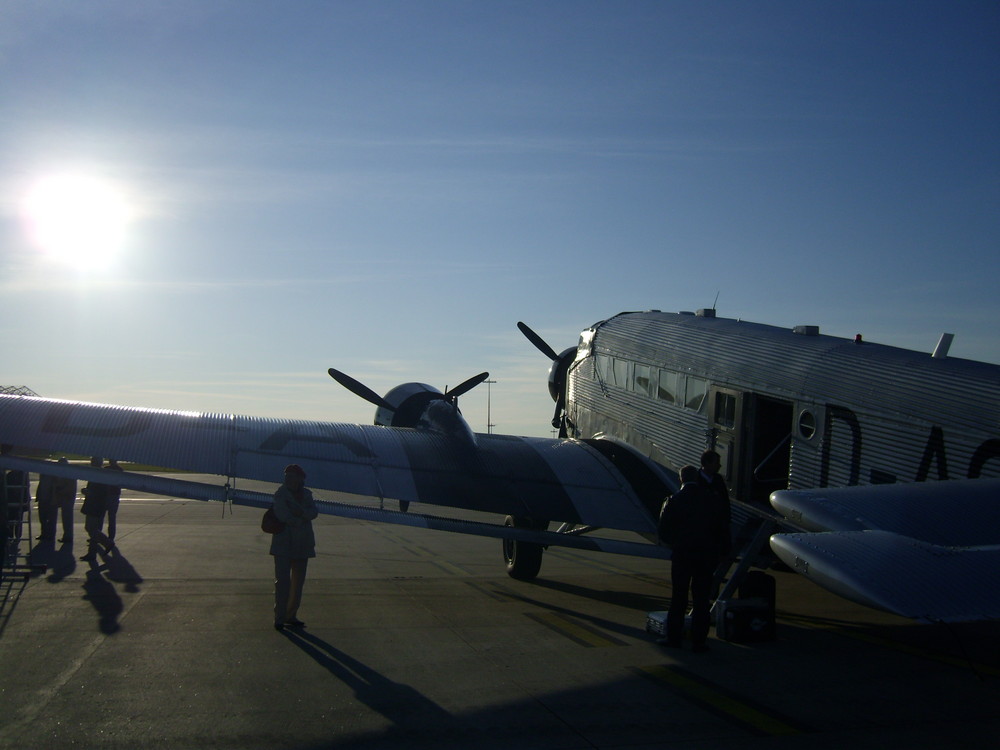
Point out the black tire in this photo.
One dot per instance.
(523, 559)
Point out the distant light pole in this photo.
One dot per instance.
(489, 424)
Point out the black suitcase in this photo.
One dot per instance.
(759, 585)
(750, 617)
(744, 620)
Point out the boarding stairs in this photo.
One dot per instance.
(15, 494)
(752, 529)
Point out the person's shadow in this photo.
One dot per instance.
(100, 592)
(405, 707)
(62, 563)
(120, 570)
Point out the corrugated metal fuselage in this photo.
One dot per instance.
(785, 408)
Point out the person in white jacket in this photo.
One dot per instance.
(292, 546)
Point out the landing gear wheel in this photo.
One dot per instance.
(523, 559)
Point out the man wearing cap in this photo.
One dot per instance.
(292, 546)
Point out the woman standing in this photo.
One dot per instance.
(293, 546)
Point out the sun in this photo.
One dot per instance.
(77, 219)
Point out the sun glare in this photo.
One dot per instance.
(77, 219)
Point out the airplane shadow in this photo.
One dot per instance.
(598, 622)
(626, 599)
(973, 644)
(405, 707)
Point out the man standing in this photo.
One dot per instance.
(695, 523)
(95, 505)
(113, 499)
(711, 480)
(292, 546)
(64, 492)
(47, 510)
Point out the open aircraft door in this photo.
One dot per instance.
(725, 412)
(752, 435)
(767, 447)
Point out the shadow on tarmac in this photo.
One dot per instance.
(400, 704)
(11, 588)
(100, 592)
(61, 562)
(626, 599)
(972, 645)
(98, 587)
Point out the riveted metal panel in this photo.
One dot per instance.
(903, 395)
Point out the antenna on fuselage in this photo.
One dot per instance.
(943, 346)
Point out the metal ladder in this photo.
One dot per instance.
(15, 493)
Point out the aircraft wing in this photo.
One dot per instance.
(929, 551)
(537, 478)
(899, 574)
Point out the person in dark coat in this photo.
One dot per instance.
(292, 546)
(64, 493)
(695, 523)
(112, 502)
(710, 478)
(95, 505)
(47, 509)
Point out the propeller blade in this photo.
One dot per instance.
(539, 343)
(467, 386)
(359, 389)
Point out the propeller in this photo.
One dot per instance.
(466, 386)
(360, 389)
(557, 376)
(538, 341)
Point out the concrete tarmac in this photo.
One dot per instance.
(418, 639)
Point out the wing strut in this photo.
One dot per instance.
(757, 541)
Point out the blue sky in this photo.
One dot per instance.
(388, 187)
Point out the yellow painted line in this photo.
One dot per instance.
(875, 640)
(720, 702)
(578, 632)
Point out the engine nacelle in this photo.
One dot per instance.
(423, 407)
(557, 374)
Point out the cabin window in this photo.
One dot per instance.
(725, 410)
(807, 425)
(666, 389)
(642, 379)
(695, 392)
(621, 372)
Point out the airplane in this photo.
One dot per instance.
(874, 471)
